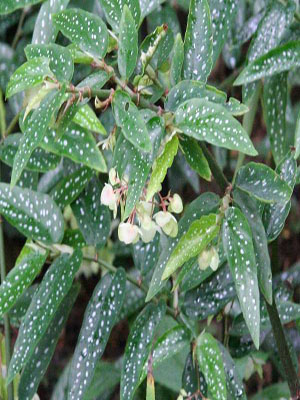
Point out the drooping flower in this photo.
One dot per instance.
(108, 197)
(128, 233)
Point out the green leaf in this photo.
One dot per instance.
(276, 391)
(203, 205)
(238, 246)
(77, 144)
(297, 137)
(193, 242)
(92, 217)
(280, 59)
(86, 30)
(44, 31)
(29, 180)
(145, 255)
(234, 382)
(86, 118)
(20, 278)
(274, 215)
(250, 210)
(177, 60)
(46, 301)
(28, 75)
(190, 377)
(147, 6)
(211, 364)
(95, 81)
(113, 11)
(263, 183)
(33, 214)
(195, 157)
(208, 121)
(210, 296)
(99, 318)
(138, 348)
(35, 131)
(160, 167)
(275, 102)
(164, 14)
(9, 6)
(190, 275)
(129, 119)
(74, 238)
(38, 363)
(198, 42)
(69, 188)
(40, 160)
(60, 59)
(128, 44)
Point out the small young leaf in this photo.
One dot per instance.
(238, 246)
(263, 183)
(9, 6)
(77, 144)
(35, 131)
(208, 121)
(95, 81)
(60, 59)
(177, 60)
(195, 157)
(160, 167)
(129, 119)
(92, 217)
(198, 42)
(40, 160)
(138, 348)
(20, 277)
(40, 359)
(211, 364)
(86, 30)
(53, 288)
(28, 75)
(193, 242)
(191, 376)
(128, 44)
(69, 188)
(99, 319)
(44, 31)
(86, 118)
(33, 214)
(113, 11)
(150, 390)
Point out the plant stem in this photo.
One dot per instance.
(19, 28)
(10, 395)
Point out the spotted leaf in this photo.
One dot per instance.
(193, 242)
(297, 137)
(210, 296)
(46, 301)
(160, 167)
(211, 364)
(113, 11)
(145, 255)
(203, 205)
(20, 277)
(198, 42)
(95, 81)
(250, 209)
(77, 144)
(129, 119)
(60, 59)
(69, 188)
(99, 319)
(35, 131)
(28, 75)
(86, 30)
(238, 246)
(191, 376)
(190, 275)
(204, 120)
(92, 217)
(263, 183)
(138, 348)
(177, 60)
(86, 118)
(40, 160)
(274, 215)
(9, 6)
(33, 214)
(195, 157)
(280, 59)
(147, 6)
(128, 44)
(38, 363)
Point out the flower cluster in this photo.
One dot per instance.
(148, 221)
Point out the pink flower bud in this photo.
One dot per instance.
(108, 197)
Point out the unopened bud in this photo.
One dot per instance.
(176, 205)
(147, 235)
(171, 228)
(214, 263)
(204, 259)
(108, 197)
(113, 179)
(128, 233)
(162, 218)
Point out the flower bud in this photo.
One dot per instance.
(147, 235)
(175, 205)
(204, 259)
(162, 218)
(108, 197)
(112, 176)
(171, 228)
(128, 233)
(214, 263)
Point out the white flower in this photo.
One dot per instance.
(214, 263)
(147, 235)
(108, 197)
(128, 233)
(176, 205)
(208, 258)
(112, 176)
(162, 218)
(171, 228)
